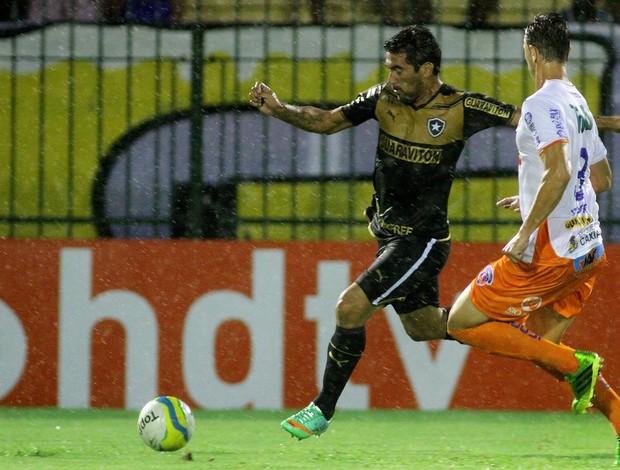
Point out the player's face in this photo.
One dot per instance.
(403, 80)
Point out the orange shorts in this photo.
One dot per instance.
(508, 291)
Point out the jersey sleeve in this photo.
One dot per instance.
(482, 112)
(600, 151)
(362, 108)
(544, 121)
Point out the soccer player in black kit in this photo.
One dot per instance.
(424, 124)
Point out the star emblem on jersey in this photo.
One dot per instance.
(435, 126)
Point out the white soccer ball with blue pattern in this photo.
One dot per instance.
(166, 424)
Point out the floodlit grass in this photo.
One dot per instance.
(108, 439)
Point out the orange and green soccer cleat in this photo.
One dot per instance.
(305, 423)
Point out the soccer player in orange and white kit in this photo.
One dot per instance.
(550, 265)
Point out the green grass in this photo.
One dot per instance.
(108, 439)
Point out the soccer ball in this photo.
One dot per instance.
(166, 424)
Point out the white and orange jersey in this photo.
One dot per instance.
(559, 113)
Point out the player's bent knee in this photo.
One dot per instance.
(353, 312)
(347, 316)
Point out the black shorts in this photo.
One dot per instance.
(405, 273)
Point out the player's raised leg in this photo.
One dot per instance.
(469, 325)
(343, 353)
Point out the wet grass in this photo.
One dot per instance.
(241, 439)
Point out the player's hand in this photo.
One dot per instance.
(264, 99)
(515, 248)
(511, 202)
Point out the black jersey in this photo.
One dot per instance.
(417, 153)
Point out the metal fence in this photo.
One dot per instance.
(113, 125)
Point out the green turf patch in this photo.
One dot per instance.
(250, 439)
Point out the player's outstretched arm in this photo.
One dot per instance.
(515, 117)
(607, 123)
(308, 118)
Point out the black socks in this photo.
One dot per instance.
(344, 352)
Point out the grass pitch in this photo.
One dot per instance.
(360, 440)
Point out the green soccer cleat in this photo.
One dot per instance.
(582, 382)
(305, 423)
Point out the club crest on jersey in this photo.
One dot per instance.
(485, 277)
(435, 126)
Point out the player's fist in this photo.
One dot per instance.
(263, 98)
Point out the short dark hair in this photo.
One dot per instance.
(419, 46)
(549, 33)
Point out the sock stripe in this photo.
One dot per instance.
(345, 352)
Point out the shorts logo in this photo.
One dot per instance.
(589, 259)
(514, 311)
(529, 304)
(435, 126)
(525, 330)
(485, 277)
